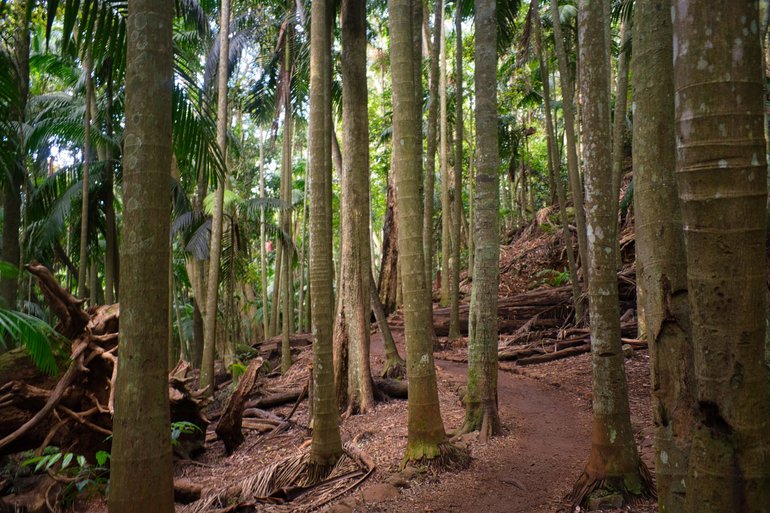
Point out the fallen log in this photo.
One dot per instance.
(395, 388)
(273, 400)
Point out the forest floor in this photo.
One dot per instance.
(546, 414)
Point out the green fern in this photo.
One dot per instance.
(38, 338)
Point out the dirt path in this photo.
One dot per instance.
(528, 469)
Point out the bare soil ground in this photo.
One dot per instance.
(546, 414)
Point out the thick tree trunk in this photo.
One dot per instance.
(288, 245)
(326, 445)
(11, 251)
(141, 421)
(660, 253)
(425, 428)
(352, 366)
(215, 251)
(614, 461)
(722, 170)
(481, 398)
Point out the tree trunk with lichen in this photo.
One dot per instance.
(481, 398)
(429, 183)
(326, 445)
(614, 462)
(721, 171)
(425, 428)
(141, 422)
(661, 265)
(352, 339)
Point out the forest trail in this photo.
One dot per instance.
(529, 469)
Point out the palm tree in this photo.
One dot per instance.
(212, 288)
(721, 169)
(661, 265)
(352, 366)
(425, 428)
(141, 421)
(326, 446)
(614, 462)
(481, 398)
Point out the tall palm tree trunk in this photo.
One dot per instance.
(661, 265)
(215, 251)
(326, 445)
(446, 214)
(568, 110)
(430, 158)
(425, 428)
(721, 169)
(141, 421)
(481, 398)
(457, 185)
(614, 462)
(352, 341)
(83, 265)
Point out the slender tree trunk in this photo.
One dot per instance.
(110, 231)
(456, 195)
(83, 265)
(301, 299)
(262, 239)
(576, 183)
(277, 266)
(326, 445)
(481, 398)
(661, 265)
(215, 251)
(554, 163)
(471, 201)
(721, 170)
(141, 421)
(432, 135)
(446, 209)
(287, 243)
(394, 363)
(614, 462)
(352, 342)
(425, 428)
(619, 121)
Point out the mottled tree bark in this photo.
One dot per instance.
(85, 177)
(141, 473)
(446, 216)
(661, 266)
(481, 399)
(425, 428)
(352, 366)
(722, 173)
(614, 462)
(326, 445)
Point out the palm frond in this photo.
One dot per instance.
(36, 336)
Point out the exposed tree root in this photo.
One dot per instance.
(438, 458)
(486, 422)
(394, 368)
(588, 486)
